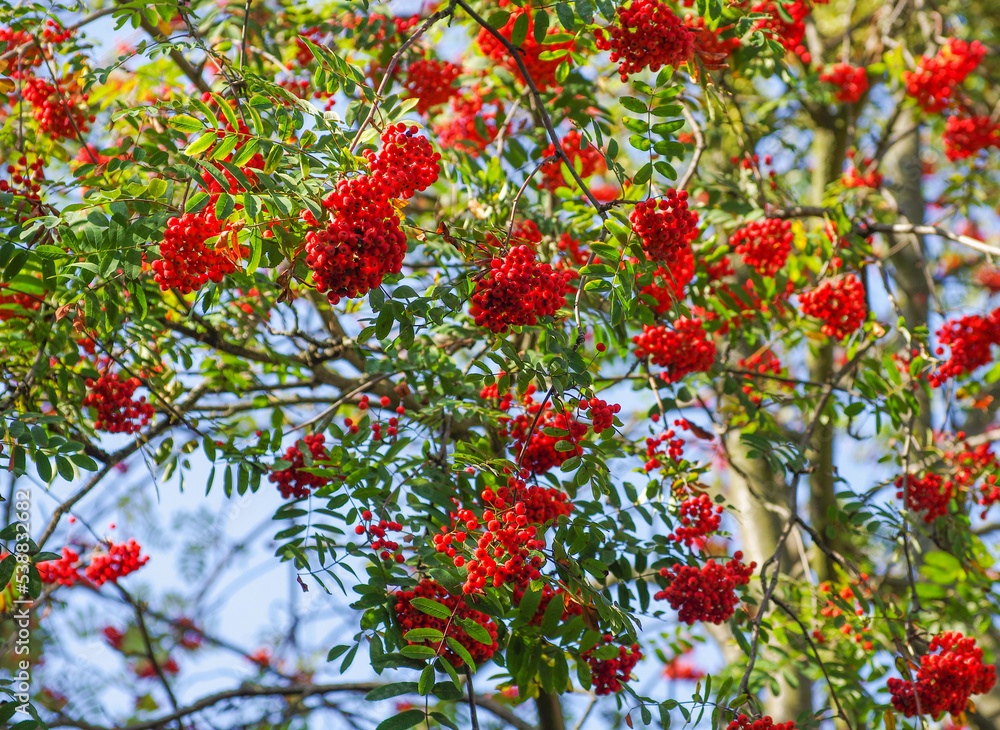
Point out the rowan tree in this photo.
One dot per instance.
(548, 342)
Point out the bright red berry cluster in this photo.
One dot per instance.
(360, 244)
(602, 416)
(543, 505)
(610, 675)
(542, 72)
(674, 449)
(648, 34)
(669, 280)
(705, 594)
(119, 560)
(854, 178)
(851, 81)
(431, 83)
(460, 130)
(709, 43)
(117, 410)
(516, 291)
(933, 83)
(388, 550)
(60, 107)
(682, 350)
(790, 32)
(946, 679)
(966, 136)
(832, 611)
(65, 571)
(762, 363)
(410, 617)
(585, 158)
(928, 493)
(840, 304)
(539, 451)
(970, 339)
(407, 162)
(664, 225)
(764, 723)
(764, 244)
(196, 249)
(699, 517)
(20, 300)
(292, 481)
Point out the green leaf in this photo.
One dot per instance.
(566, 16)
(402, 721)
(541, 24)
(634, 105)
(391, 690)
(476, 631)
(520, 33)
(585, 10)
(201, 144)
(463, 653)
(185, 123)
(498, 19)
(642, 177)
(426, 683)
(423, 635)
(157, 187)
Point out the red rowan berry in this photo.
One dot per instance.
(664, 226)
(764, 244)
(647, 34)
(840, 304)
(682, 350)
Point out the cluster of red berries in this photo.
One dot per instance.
(292, 481)
(709, 43)
(19, 300)
(117, 410)
(764, 244)
(665, 226)
(542, 72)
(114, 637)
(360, 244)
(970, 339)
(764, 723)
(851, 81)
(413, 618)
(841, 305)
(119, 560)
(945, 680)
(682, 350)
(407, 162)
(832, 611)
(854, 178)
(516, 291)
(648, 34)
(705, 594)
(585, 158)
(674, 449)
(933, 83)
(699, 516)
(539, 448)
(543, 505)
(387, 549)
(680, 668)
(762, 363)
(966, 136)
(25, 179)
(431, 83)
(492, 392)
(60, 107)
(929, 493)
(196, 249)
(65, 571)
(669, 280)
(610, 675)
(461, 132)
(789, 33)
(602, 416)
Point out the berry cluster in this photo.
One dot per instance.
(966, 136)
(543, 505)
(119, 560)
(648, 34)
(117, 410)
(585, 159)
(851, 81)
(19, 301)
(705, 594)
(699, 517)
(196, 249)
(709, 44)
(461, 131)
(377, 532)
(664, 226)
(539, 452)
(789, 33)
(970, 339)
(680, 668)
(675, 445)
(945, 680)
(609, 675)
(743, 722)
(407, 163)
(764, 244)
(361, 243)
(762, 363)
(840, 304)
(682, 350)
(25, 179)
(669, 280)
(854, 178)
(602, 416)
(542, 72)
(60, 107)
(832, 611)
(144, 668)
(431, 83)
(928, 493)
(65, 571)
(933, 83)
(292, 481)
(413, 618)
(516, 291)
